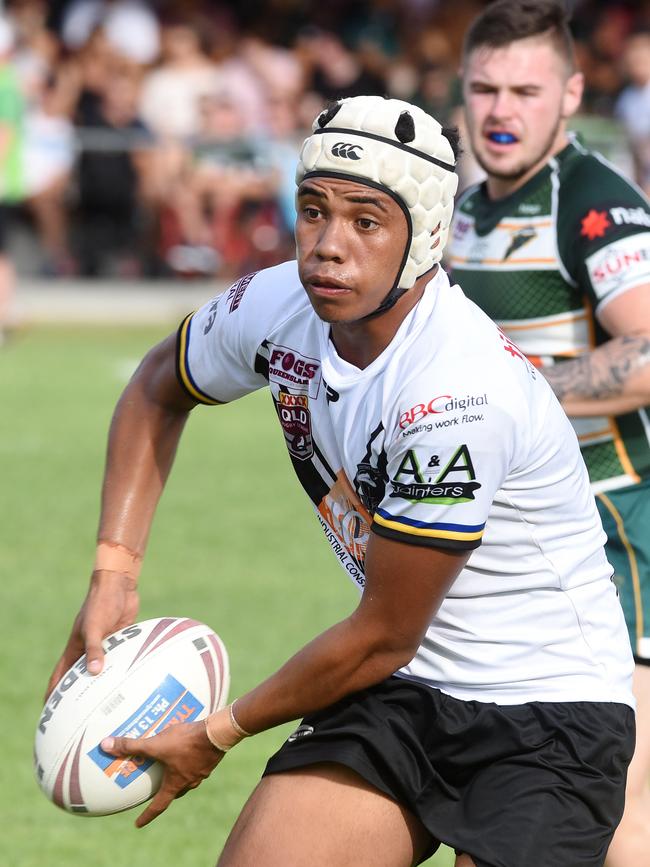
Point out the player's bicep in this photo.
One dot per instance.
(627, 314)
(405, 586)
(158, 378)
(615, 270)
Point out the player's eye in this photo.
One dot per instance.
(367, 223)
(311, 212)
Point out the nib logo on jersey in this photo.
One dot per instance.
(596, 224)
(630, 216)
(291, 369)
(454, 484)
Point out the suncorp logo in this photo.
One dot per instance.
(440, 404)
(624, 263)
(346, 150)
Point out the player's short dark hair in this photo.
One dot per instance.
(506, 21)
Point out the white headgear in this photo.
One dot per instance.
(398, 148)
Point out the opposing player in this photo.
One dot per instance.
(555, 246)
(480, 693)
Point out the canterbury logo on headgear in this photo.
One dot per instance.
(346, 150)
(398, 148)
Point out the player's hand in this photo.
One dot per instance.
(186, 753)
(111, 604)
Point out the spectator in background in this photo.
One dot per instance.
(11, 162)
(113, 179)
(633, 105)
(598, 53)
(130, 27)
(333, 71)
(283, 143)
(37, 51)
(50, 151)
(225, 190)
(171, 93)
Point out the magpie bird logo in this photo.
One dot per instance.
(346, 150)
(519, 239)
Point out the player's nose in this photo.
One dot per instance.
(502, 107)
(332, 240)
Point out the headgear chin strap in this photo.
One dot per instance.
(397, 148)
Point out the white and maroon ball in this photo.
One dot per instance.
(157, 673)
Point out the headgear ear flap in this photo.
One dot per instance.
(396, 147)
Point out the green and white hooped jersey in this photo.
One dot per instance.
(450, 438)
(543, 262)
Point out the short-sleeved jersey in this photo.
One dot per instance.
(452, 439)
(543, 261)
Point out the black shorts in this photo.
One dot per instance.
(531, 785)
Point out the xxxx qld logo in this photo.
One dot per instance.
(346, 150)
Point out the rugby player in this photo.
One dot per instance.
(480, 693)
(555, 247)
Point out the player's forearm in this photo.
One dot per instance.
(340, 661)
(142, 443)
(610, 380)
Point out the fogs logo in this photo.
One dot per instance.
(289, 368)
(347, 151)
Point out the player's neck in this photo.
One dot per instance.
(500, 187)
(360, 343)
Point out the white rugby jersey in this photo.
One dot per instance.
(450, 438)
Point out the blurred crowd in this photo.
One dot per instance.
(153, 137)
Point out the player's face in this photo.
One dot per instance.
(350, 241)
(517, 99)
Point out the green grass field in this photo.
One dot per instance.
(234, 544)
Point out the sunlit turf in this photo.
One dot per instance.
(234, 544)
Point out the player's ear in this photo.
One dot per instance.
(572, 94)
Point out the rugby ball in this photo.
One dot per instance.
(156, 673)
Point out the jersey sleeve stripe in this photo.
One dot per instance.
(424, 541)
(459, 532)
(182, 367)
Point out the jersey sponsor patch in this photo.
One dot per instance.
(630, 216)
(430, 478)
(295, 418)
(443, 404)
(291, 369)
(347, 525)
(594, 224)
(620, 265)
(236, 292)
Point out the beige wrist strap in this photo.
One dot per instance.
(240, 731)
(223, 730)
(113, 557)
